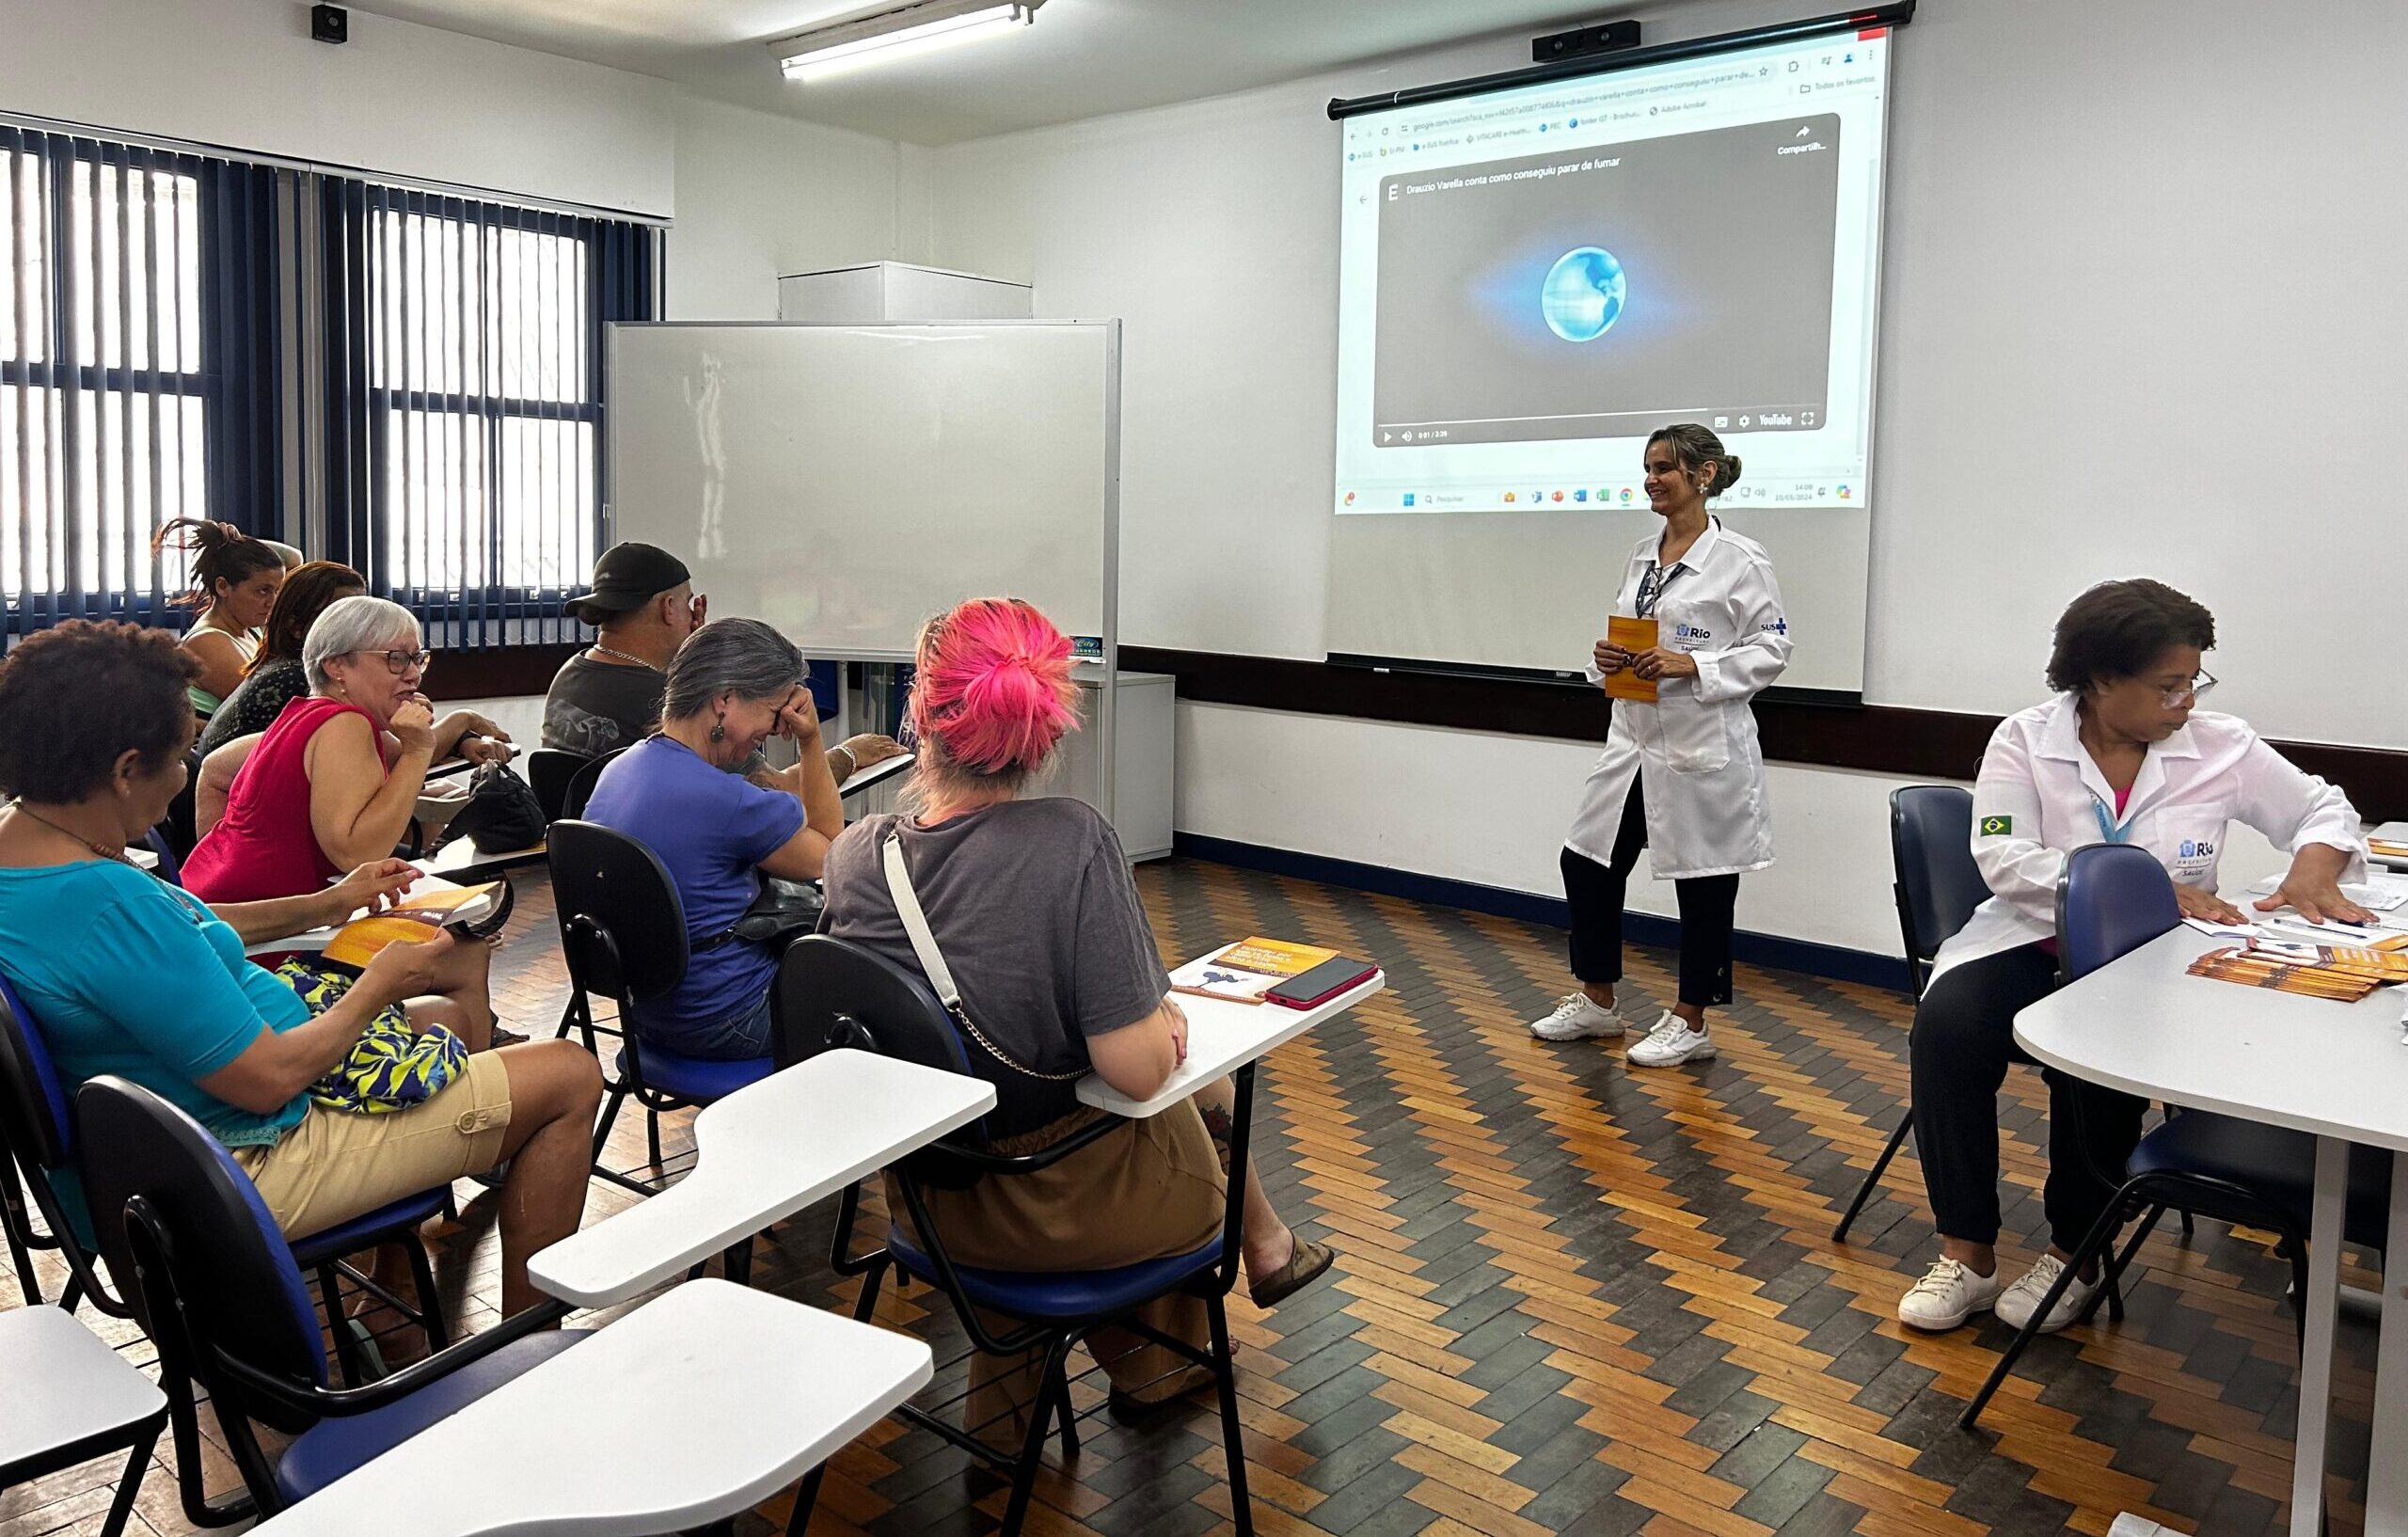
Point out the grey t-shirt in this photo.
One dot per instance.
(1032, 907)
(597, 706)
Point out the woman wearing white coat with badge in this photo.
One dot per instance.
(2121, 755)
(1683, 777)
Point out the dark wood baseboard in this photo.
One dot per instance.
(1876, 738)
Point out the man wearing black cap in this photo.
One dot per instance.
(607, 696)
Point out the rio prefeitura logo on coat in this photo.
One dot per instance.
(1998, 827)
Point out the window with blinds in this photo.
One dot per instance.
(106, 374)
(466, 438)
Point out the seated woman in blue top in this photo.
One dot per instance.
(684, 793)
(124, 974)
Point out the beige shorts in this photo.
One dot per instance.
(336, 1165)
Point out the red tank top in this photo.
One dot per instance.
(264, 846)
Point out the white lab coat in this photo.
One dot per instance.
(2039, 797)
(1706, 809)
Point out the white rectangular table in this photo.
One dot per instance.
(2390, 832)
(764, 1154)
(2337, 1071)
(1223, 1036)
(697, 1405)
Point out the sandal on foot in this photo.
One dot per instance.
(1304, 1267)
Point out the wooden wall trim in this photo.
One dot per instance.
(1877, 738)
(496, 672)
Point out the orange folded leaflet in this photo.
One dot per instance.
(413, 921)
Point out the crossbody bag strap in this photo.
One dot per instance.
(915, 925)
(924, 944)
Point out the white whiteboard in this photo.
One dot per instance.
(843, 483)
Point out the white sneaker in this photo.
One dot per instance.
(1948, 1295)
(1578, 1017)
(1671, 1043)
(2017, 1303)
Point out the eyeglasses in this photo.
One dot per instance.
(2190, 693)
(399, 662)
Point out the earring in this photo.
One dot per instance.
(719, 730)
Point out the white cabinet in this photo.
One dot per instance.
(876, 291)
(1144, 712)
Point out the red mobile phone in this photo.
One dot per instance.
(1318, 986)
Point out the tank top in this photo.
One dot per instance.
(264, 846)
(247, 642)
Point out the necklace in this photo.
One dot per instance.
(597, 648)
(113, 855)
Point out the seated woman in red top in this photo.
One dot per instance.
(338, 772)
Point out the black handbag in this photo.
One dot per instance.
(502, 812)
(781, 910)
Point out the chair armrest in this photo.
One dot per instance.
(336, 1402)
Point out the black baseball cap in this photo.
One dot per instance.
(628, 575)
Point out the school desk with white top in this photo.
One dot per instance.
(697, 1405)
(762, 1155)
(2337, 1071)
(1222, 1036)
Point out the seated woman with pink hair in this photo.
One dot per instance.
(1031, 904)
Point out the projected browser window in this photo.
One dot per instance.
(1533, 280)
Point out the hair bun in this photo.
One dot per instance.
(1727, 474)
(995, 691)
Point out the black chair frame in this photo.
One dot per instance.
(26, 1120)
(593, 966)
(239, 1390)
(17, 1228)
(955, 1162)
(2148, 1197)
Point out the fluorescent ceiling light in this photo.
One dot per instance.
(899, 32)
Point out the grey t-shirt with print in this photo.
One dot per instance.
(597, 706)
(1035, 914)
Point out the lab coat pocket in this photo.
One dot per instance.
(1695, 738)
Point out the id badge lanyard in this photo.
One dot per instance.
(2109, 828)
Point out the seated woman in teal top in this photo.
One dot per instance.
(125, 975)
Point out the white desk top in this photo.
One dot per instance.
(2390, 832)
(460, 858)
(695, 1406)
(1223, 1036)
(764, 1152)
(69, 1386)
(2145, 1026)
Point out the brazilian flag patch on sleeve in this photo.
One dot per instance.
(1998, 827)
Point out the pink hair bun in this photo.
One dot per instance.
(994, 690)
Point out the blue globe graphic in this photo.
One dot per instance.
(1583, 294)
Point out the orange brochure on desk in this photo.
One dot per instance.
(1632, 635)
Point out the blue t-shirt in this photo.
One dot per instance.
(711, 829)
(126, 974)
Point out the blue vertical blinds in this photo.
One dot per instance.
(139, 338)
(465, 389)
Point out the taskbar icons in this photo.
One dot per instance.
(1792, 492)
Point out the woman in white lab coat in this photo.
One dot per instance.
(1681, 777)
(2121, 755)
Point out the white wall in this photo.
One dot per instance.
(2132, 318)
(403, 100)
(759, 196)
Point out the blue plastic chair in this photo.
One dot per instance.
(623, 932)
(2112, 899)
(35, 1123)
(1938, 886)
(834, 993)
(219, 1293)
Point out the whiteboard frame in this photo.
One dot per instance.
(1105, 766)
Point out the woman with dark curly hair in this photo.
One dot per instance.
(2121, 755)
(276, 678)
(234, 581)
(127, 974)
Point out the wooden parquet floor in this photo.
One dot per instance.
(1569, 1297)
